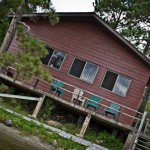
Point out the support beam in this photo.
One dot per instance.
(114, 133)
(19, 97)
(38, 107)
(85, 125)
(80, 120)
(129, 141)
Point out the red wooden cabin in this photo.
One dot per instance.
(86, 53)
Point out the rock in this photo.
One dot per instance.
(55, 143)
(90, 148)
(8, 122)
(54, 123)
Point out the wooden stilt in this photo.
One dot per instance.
(85, 125)
(38, 106)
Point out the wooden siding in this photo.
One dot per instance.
(87, 41)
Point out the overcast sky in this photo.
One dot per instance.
(73, 5)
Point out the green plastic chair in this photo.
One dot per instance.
(111, 111)
(56, 86)
(60, 91)
(92, 103)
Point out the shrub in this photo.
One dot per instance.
(46, 110)
(105, 139)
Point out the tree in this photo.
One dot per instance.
(24, 6)
(129, 17)
(27, 62)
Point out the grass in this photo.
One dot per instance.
(30, 128)
(102, 138)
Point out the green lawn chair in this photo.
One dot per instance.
(56, 86)
(112, 111)
(92, 103)
(60, 91)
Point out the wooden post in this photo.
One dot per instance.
(129, 141)
(85, 125)
(114, 133)
(37, 80)
(80, 120)
(38, 106)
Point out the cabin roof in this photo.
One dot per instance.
(92, 16)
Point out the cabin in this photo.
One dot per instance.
(91, 59)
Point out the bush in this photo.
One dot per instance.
(105, 139)
(46, 110)
(3, 88)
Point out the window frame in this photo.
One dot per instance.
(54, 49)
(115, 82)
(83, 69)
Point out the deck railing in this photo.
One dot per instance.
(120, 112)
(129, 113)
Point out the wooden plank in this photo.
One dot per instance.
(19, 97)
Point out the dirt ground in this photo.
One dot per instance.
(11, 139)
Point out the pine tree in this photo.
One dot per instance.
(129, 17)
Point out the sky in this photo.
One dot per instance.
(73, 5)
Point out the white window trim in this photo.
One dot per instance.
(115, 83)
(62, 61)
(83, 69)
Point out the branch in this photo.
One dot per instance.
(25, 25)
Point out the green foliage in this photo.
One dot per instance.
(30, 6)
(3, 88)
(7, 59)
(28, 58)
(71, 128)
(46, 110)
(105, 139)
(46, 134)
(130, 18)
(4, 24)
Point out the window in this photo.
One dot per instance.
(83, 70)
(54, 58)
(116, 83)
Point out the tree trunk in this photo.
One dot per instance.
(145, 98)
(12, 28)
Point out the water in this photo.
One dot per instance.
(11, 139)
(9, 143)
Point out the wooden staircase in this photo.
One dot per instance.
(143, 142)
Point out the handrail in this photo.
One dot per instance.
(105, 99)
(102, 99)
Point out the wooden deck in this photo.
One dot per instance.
(100, 118)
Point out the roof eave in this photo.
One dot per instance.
(93, 14)
(141, 55)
